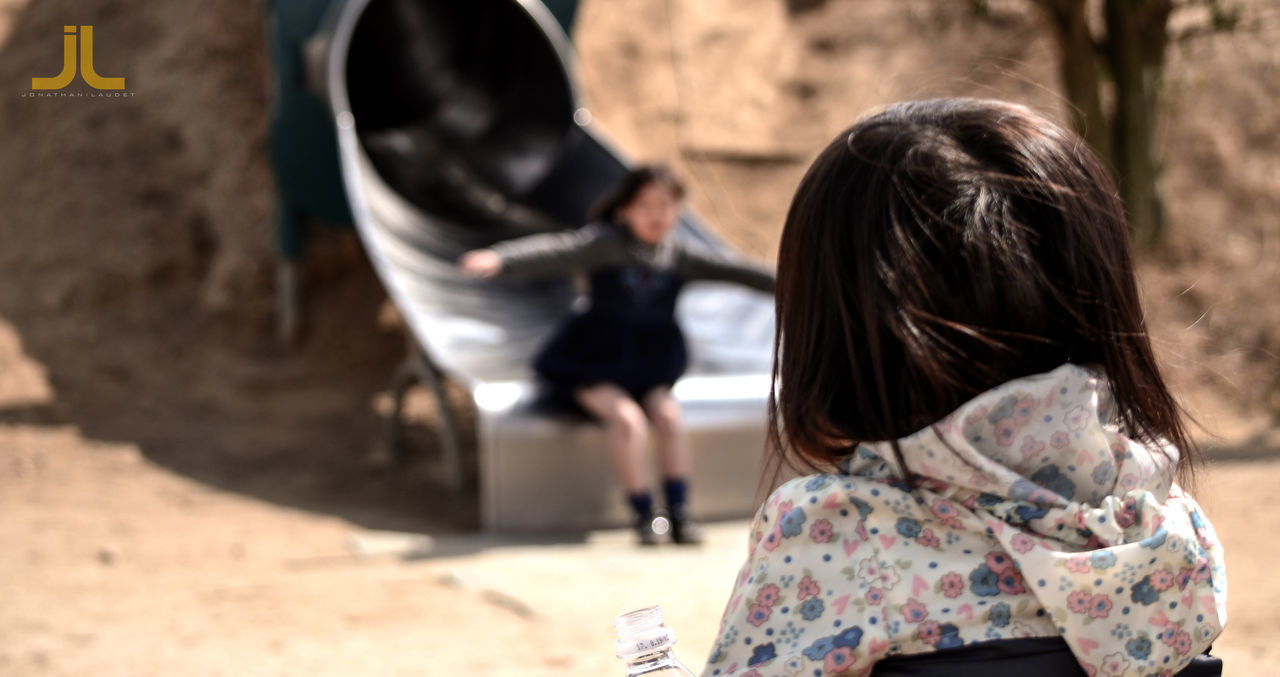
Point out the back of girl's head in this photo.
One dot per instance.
(636, 178)
(937, 249)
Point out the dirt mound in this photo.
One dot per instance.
(138, 265)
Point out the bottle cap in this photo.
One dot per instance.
(641, 632)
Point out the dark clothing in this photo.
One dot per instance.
(1040, 656)
(608, 347)
(628, 336)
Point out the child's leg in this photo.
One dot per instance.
(664, 411)
(628, 431)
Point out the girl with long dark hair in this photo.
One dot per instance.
(962, 354)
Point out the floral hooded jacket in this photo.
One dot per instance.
(1029, 515)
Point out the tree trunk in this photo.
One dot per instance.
(1136, 41)
(1079, 69)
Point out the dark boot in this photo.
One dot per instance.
(642, 508)
(684, 531)
(647, 529)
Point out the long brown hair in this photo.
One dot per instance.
(937, 249)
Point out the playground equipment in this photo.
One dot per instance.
(460, 124)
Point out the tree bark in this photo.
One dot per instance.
(1136, 41)
(1079, 69)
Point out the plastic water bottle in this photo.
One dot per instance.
(645, 644)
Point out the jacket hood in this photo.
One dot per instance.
(1092, 518)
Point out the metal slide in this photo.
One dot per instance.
(460, 124)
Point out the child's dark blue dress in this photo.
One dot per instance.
(628, 336)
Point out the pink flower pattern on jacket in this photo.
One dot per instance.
(1029, 514)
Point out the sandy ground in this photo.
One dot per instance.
(115, 566)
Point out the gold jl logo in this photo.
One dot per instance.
(68, 73)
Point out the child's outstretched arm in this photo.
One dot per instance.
(698, 264)
(544, 254)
